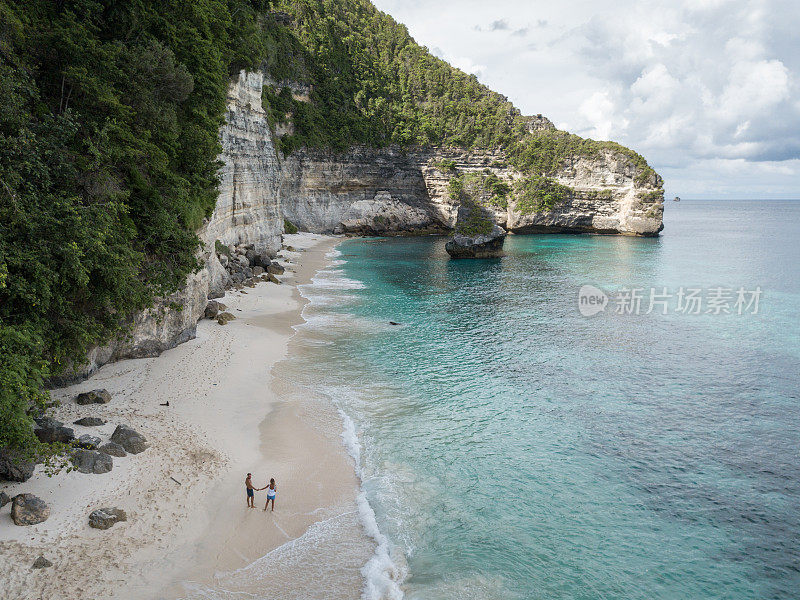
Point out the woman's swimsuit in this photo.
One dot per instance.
(271, 492)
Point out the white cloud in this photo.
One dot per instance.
(700, 82)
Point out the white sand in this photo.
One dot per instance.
(223, 420)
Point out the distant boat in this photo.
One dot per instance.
(676, 199)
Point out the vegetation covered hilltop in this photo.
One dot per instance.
(109, 119)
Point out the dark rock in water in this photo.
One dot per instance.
(13, 467)
(225, 317)
(90, 422)
(4, 499)
(103, 518)
(91, 461)
(50, 431)
(393, 323)
(476, 233)
(273, 279)
(276, 269)
(27, 509)
(291, 249)
(112, 449)
(130, 439)
(94, 397)
(89, 442)
(41, 563)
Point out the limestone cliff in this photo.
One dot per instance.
(389, 191)
(366, 191)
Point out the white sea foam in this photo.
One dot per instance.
(310, 566)
(383, 574)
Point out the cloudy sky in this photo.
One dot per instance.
(707, 90)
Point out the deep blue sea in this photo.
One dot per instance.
(511, 447)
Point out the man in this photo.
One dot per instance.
(248, 484)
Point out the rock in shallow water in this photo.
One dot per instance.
(28, 509)
(129, 439)
(476, 234)
(103, 518)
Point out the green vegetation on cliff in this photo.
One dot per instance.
(372, 84)
(109, 119)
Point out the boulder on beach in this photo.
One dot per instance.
(13, 467)
(50, 431)
(41, 563)
(103, 518)
(257, 271)
(94, 397)
(89, 442)
(112, 449)
(89, 422)
(130, 439)
(212, 309)
(224, 318)
(92, 461)
(4, 499)
(276, 269)
(27, 509)
(273, 279)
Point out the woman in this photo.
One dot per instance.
(272, 489)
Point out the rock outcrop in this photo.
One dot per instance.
(476, 234)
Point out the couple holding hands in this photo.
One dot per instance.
(272, 489)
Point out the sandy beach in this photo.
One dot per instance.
(188, 527)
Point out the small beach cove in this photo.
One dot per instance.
(188, 526)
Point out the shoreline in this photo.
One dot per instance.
(229, 414)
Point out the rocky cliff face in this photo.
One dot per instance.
(389, 191)
(363, 191)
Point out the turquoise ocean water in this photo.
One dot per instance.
(510, 447)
